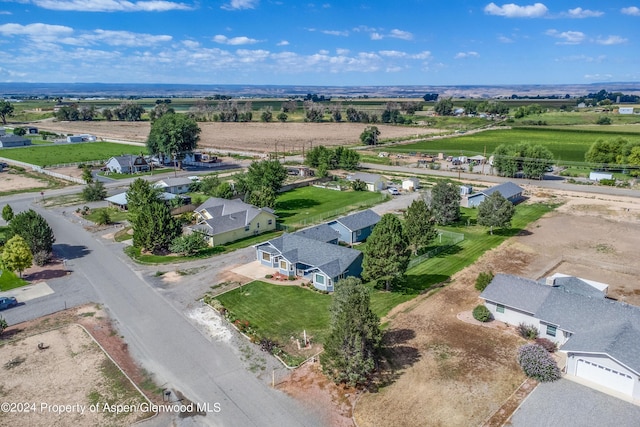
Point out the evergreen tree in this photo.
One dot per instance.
(154, 228)
(16, 255)
(94, 191)
(140, 194)
(351, 350)
(35, 230)
(7, 213)
(419, 225)
(495, 211)
(445, 202)
(386, 255)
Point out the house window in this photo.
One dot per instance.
(246, 228)
(266, 256)
(270, 222)
(551, 331)
(283, 265)
(358, 233)
(499, 308)
(319, 279)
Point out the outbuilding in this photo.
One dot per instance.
(410, 184)
(597, 176)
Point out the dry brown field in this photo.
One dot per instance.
(252, 136)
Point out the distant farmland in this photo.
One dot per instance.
(69, 153)
(565, 144)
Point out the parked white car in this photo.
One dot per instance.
(394, 191)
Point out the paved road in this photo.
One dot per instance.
(160, 337)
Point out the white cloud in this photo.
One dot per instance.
(342, 52)
(35, 30)
(567, 37)
(598, 77)
(111, 5)
(611, 40)
(471, 54)
(392, 54)
(5, 12)
(283, 43)
(234, 41)
(126, 38)
(399, 34)
(579, 12)
(240, 4)
(633, 11)
(512, 10)
(191, 44)
(393, 69)
(583, 58)
(336, 33)
(323, 52)
(422, 55)
(376, 36)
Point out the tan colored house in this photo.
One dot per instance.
(222, 221)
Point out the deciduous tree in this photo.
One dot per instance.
(35, 230)
(386, 255)
(6, 110)
(188, 244)
(370, 135)
(173, 135)
(444, 107)
(16, 255)
(495, 211)
(351, 351)
(94, 191)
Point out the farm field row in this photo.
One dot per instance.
(68, 153)
(565, 144)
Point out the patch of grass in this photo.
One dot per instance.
(88, 314)
(9, 280)
(115, 214)
(123, 235)
(119, 391)
(47, 155)
(310, 205)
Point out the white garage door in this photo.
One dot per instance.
(606, 377)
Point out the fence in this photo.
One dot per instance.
(445, 240)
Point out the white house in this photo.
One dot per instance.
(374, 182)
(597, 176)
(179, 185)
(599, 336)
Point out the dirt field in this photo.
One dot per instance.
(71, 369)
(254, 137)
(447, 372)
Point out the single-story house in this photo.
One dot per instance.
(223, 221)
(120, 200)
(7, 141)
(374, 182)
(322, 233)
(625, 110)
(83, 137)
(599, 336)
(127, 164)
(410, 184)
(315, 260)
(508, 190)
(466, 189)
(356, 227)
(178, 185)
(597, 176)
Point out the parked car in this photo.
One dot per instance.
(8, 302)
(394, 191)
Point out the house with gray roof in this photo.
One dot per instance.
(374, 181)
(356, 227)
(300, 255)
(508, 190)
(599, 336)
(321, 233)
(127, 164)
(179, 185)
(223, 221)
(120, 200)
(8, 141)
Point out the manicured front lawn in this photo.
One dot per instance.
(116, 215)
(44, 155)
(279, 311)
(9, 280)
(309, 205)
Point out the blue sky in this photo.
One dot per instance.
(343, 43)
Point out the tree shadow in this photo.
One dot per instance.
(65, 251)
(398, 355)
(296, 204)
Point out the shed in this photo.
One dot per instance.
(597, 176)
(410, 184)
(625, 110)
(7, 141)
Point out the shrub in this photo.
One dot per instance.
(481, 313)
(41, 257)
(547, 344)
(537, 363)
(528, 332)
(483, 280)
(268, 276)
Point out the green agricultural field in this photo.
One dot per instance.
(565, 144)
(310, 205)
(69, 153)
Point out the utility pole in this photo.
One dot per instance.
(485, 158)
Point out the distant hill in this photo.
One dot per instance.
(126, 90)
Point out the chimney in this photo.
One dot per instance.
(551, 281)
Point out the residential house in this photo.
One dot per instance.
(600, 337)
(374, 182)
(83, 137)
(356, 227)
(597, 176)
(178, 185)
(127, 164)
(322, 233)
(410, 184)
(223, 221)
(120, 200)
(322, 263)
(508, 190)
(7, 141)
(625, 110)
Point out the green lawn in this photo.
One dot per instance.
(278, 311)
(9, 280)
(565, 144)
(44, 155)
(309, 205)
(116, 215)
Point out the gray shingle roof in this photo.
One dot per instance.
(226, 215)
(359, 220)
(598, 324)
(322, 233)
(369, 178)
(331, 259)
(172, 182)
(14, 138)
(506, 189)
(576, 286)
